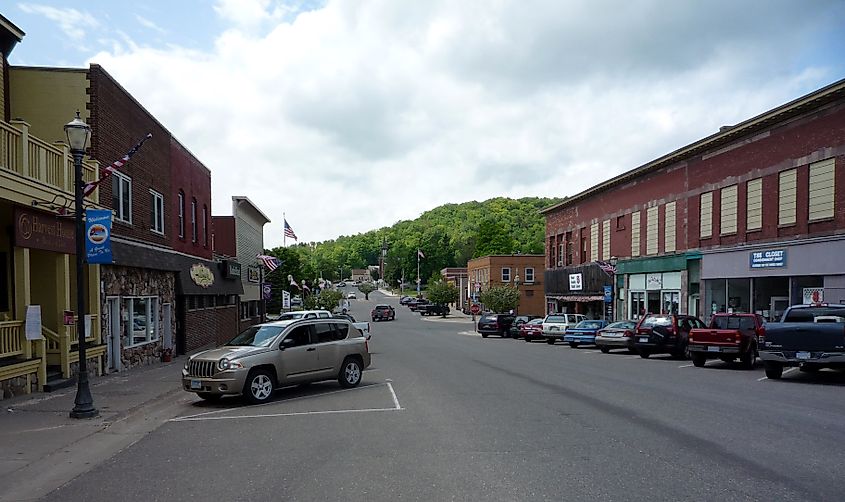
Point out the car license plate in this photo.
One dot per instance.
(644, 339)
(196, 384)
(712, 349)
(802, 355)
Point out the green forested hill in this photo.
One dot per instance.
(448, 236)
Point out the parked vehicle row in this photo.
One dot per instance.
(810, 337)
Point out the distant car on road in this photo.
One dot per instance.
(351, 296)
(616, 335)
(405, 299)
(268, 356)
(494, 324)
(433, 309)
(383, 311)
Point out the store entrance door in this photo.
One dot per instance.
(777, 307)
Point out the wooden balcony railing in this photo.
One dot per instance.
(37, 160)
(11, 339)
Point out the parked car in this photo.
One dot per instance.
(405, 299)
(517, 324)
(433, 309)
(616, 335)
(658, 333)
(532, 330)
(810, 337)
(494, 324)
(416, 303)
(383, 311)
(363, 327)
(554, 325)
(583, 333)
(728, 337)
(304, 314)
(268, 356)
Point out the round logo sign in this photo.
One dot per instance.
(98, 233)
(475, 309)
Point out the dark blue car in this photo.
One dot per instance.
(583, 332)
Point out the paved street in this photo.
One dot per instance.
(446, 415)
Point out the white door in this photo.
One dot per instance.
(166, 331)
(113, 337)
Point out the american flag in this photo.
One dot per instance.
(271, 262)
(289, 231)
(117, 164)
(609, 268)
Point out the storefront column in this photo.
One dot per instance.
(23, 290)
(62, 303)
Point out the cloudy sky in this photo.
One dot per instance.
(349, 115)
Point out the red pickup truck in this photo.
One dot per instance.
(729, 336)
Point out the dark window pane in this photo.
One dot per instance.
(324, 332)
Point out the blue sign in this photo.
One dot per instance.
(608, 294)
(98, 235)
(772, 258)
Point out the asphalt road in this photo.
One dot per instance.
(446, 415)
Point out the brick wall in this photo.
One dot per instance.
(223, 232)
(211, 326)
(817, 135)
(117, 123)
(193, 179)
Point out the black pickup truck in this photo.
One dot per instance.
(811, 337)
(433, 309)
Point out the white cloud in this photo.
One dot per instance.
(352, 116)
(72, 22)
(148, 24)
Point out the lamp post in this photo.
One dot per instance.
(77, 133)
(517, 282)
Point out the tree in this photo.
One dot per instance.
(328, 299)
(442, 292)
(493, 238)
(366, 288)
(500, 299)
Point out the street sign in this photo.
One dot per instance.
(475, 309)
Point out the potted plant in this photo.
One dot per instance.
(166, 355)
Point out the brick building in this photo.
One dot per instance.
(163, 289)
(749, 219)
(521, 270)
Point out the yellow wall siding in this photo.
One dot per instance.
(48, 98)
(651, 230)
(669, 228)
(594, 242)
(706, 215)
(822, 189)
(728, 211)
(635, 233)
(787, 197)
(2, 88)
(754, 205)
(605, 240)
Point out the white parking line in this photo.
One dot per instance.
(789, 370)
(686, 366)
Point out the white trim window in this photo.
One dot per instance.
(140, 316)
(193, 220)
(121, 189)
(506, 274)
(181, 199)
(156, 212)
(529, 274)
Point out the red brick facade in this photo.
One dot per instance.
(210, 327)
(223, 236)
(192, 180)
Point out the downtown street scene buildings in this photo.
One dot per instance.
(166, 291)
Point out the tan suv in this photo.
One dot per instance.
(277, 354)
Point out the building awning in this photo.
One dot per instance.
(578, 298)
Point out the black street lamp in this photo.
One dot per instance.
(77, 136)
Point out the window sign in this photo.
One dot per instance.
(654, 282)
(771, 258)
(575, 282)
(813, 295)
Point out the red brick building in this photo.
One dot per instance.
(524, 271)
(750, 219)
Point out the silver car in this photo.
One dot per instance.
(278, 354)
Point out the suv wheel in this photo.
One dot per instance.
(748, 359)
(350, 373)
(259, 386)
(699, 360)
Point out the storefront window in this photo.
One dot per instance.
(671, 301)
(715, 296)
(771, 297)
(637, 304)
(799, 283)
(739, 295)
(653, 302)
(140, 320)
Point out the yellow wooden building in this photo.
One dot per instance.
(37, 255)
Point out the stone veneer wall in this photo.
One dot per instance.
(17, 386)
(130, 281)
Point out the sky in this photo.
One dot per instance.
(350, 115)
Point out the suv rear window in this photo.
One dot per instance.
(490, 318)
(810, 314)
(651, 321)
(556, 318)
(730, 322)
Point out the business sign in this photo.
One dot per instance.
(772, 258)
(267, 290)
(608, 294)
(253, 274)
(654, 282)
(231, 269)
(98, 236)
(576, 282)
(202, 275)
(40, 230)
(813, 295)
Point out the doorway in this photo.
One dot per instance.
(113, 333)
(166, 326)
(777, 307)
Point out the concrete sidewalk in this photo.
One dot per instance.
(42, 448)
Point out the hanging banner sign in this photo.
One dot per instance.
(286, 300)
(268, 291)
(98, 236)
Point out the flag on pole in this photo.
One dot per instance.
(305, 286)
(289, 231)
(108, 170)
(292, 282)
(420, 254)
(271, 262)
